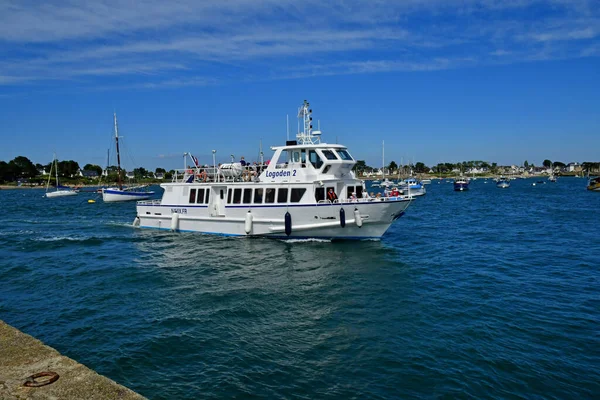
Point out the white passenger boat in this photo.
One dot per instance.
(308, 190)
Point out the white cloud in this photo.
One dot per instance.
(163, 43)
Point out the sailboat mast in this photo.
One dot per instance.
(56, 170)
(118, 155)
(383, 160)
(50, 173)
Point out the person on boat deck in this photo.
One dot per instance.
(243, 162)
(331, 196)
(353, 196)
(395, 192)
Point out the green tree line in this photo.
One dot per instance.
(21, 168)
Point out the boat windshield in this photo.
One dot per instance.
(344, 155)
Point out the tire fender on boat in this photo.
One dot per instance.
(342, 217)
(358, 218)
(288, 223)
(248, 222)
(174, 221)
(136, 222)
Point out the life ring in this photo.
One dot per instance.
(31, 381)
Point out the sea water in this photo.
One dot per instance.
(490, 293)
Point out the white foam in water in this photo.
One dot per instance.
(306, 240)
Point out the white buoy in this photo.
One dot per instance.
(357, 218)
(248, 223)
(174, 221)
(136, 222)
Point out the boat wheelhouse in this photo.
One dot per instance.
(307, 190)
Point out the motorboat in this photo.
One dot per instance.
(503, 183)
(461, 184)
(307, 190)
(594, 184)
(412, 187)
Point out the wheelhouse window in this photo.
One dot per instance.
(229, 192)
(200, 196)
(282, 195)
(329, 155)
(270, 195)
(247, 196)
(207, 196)
(296, 195)
(344, 155)
(258, 196)
(326, 169)
(315, 159)
(192, 198)
(237, 196)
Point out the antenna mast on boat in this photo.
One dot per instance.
(307, 136)
(118, 154)
(261, 156)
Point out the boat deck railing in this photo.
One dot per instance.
(232, 172)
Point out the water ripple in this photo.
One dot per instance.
(484, 294)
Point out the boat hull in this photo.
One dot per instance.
(61, 193)
(503, 185)
(114, 195)
(461, 187)
(363, 220)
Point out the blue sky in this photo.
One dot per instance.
(438, 80)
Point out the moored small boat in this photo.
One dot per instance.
(594, 184)
(503, 183)
(461, 185)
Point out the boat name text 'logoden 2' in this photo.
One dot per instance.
(307, 190)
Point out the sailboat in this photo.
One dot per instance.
(122, 193)
(60, 191)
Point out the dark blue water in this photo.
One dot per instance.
(491, 293)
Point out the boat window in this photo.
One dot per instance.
(296, 156)
(258, 196)
(349, 191)
(247, 196)
(344, 155)
(303, 157)
(359, 192)
(200, 197)
(315, 159)
(192, 196)
(329, 155)
(270, 195)
(282, 195)
(326, 169)
(296, 195)
(237, 196)
(208, 195)
(319, 194)
(228, 196)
